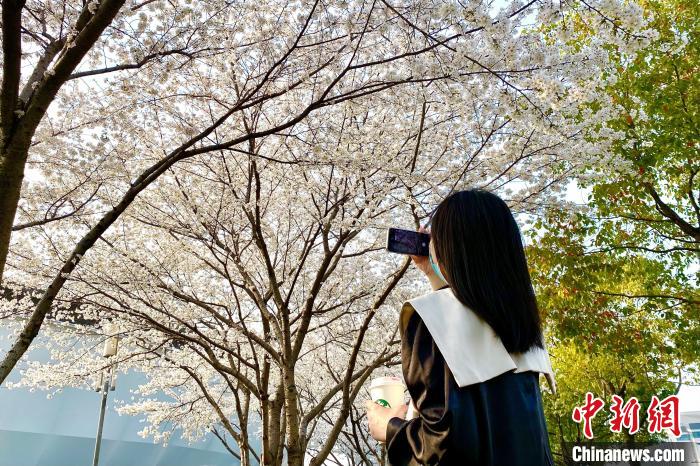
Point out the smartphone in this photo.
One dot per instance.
(407, 242)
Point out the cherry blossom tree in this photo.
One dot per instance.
(63, 45)
(249, 282)
(184, 77)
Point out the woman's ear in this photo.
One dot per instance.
(431, 251)
(439, 271)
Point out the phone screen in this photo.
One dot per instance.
(407, 242)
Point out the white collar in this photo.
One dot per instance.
(472, 350)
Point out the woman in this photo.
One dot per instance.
(472, 349)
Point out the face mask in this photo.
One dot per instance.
(436, 268)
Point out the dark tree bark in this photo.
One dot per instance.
(21, 114)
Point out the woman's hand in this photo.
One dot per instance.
(423, 264)
(378, 417)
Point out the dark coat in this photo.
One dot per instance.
(499, 422)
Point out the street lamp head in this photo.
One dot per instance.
(110, 347)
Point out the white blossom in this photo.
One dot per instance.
(228, 249)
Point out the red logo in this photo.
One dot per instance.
(624, 415)
(661, 415)
(586, 412)
(664, 415)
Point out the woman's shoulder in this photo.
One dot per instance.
(414, 327)
(410, 314)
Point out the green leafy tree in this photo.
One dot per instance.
(618, 280)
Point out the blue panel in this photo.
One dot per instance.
(29, 449)
(694, 425)
(36, 431)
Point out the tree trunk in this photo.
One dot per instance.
(11, 176)
(273, 433)
(295, 451)
(18, 131)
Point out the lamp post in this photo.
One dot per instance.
(107, 384)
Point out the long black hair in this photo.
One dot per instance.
(478, 245)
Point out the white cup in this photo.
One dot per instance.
(387, 391)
